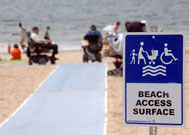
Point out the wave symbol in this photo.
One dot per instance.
(154, 71)
(159, 66)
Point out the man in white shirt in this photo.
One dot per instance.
(45, 43)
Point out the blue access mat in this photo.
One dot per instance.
(63, 110)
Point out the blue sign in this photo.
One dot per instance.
(154, 79)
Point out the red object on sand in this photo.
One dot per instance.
(9, 48)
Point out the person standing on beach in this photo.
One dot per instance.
(116, 27)
(22, 34)
(46, 36)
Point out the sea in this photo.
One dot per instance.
(71, 19)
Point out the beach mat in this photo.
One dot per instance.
(76, 77)
(63, 111)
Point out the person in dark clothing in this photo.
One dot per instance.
(94, 31)
(95, 38)
(135, 26)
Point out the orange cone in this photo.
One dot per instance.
(9, 48)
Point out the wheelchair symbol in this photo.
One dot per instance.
(167, 53)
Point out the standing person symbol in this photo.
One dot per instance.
(169, 52)
(140, 53)
(133, 54)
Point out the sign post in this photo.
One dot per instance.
(152, 130)
(154, 78)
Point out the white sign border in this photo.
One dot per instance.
(184, 76)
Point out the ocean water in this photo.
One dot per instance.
(71, 19)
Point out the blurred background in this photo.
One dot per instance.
(71, 19)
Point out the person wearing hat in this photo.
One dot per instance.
(44, 42)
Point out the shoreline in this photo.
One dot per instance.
(67, 47)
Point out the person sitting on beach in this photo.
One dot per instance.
(44, 42)
(22, 33)
(16, 53)
(116, 41)
(113, 40)
(94, 32)
(46, 36)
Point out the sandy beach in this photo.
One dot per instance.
(18, 81)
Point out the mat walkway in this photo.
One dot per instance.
(70, 102)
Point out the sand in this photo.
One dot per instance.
(18, 81)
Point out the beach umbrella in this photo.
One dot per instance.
(108, 28)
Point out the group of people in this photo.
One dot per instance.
(45, 43)
(112, 41)
(113, 36)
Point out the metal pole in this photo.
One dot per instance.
(152, 130)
